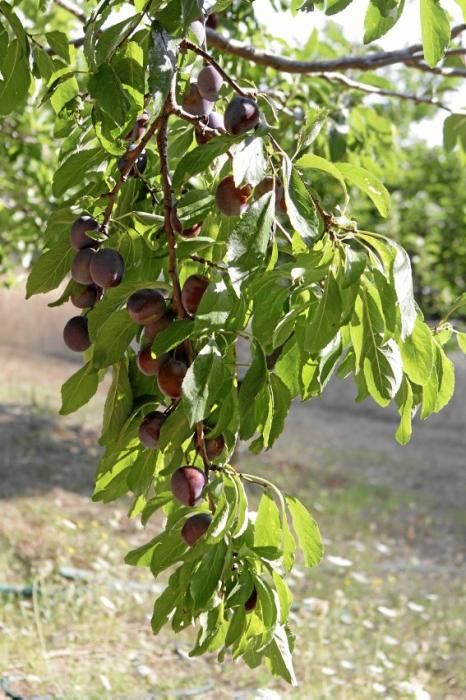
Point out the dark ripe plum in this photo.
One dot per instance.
(81, 266)
(195, 527)
(147, 364)
(251, 602)
(198, 29)
(187, 484)
(138, 166)
(241, 115)
(149, 430)
(107, 268)
(170, 377)
(214, 446)
(139, 128)
(214, 121)
(76, 334)
(232, 200)
(195, 104)
(146, 306)
(191, 232)
(213, 20)
(209, 83)
(266, 185)
(86, 297)
(152, 329)
(192, 292)
(78, 237)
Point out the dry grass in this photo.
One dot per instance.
(384, 616)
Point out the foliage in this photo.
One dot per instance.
(310, 292)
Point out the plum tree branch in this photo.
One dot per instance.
(284, 64)
(374, 90)
(207, 57)
(72, 9)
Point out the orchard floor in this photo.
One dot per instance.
(383, 616)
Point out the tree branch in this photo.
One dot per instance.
(207, 57)
(73, 9)
(284, 64)
(374, 90)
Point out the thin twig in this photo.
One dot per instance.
(72, 9)
(374, 90)
(227, 78)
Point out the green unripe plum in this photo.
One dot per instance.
(232, 200)
(149, 430)
(151, 330)
(78, 237)
(195, 104)
(146, 306)
(192, 292)
(86, 297)
(170, 377)
(107, 268)
(214, 446)
(195, 527)
(76, 334)
(241, 115)
(81, 266)
(187, 484)
(209, 83)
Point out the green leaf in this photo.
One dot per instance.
(14, 87)
(162, 56)
(249, 164)
(203, 383)
(461, 339)
(205, 579)
(280, 658)
(380, 17)
(435, 27)
(299, 204)
(281, 401)
(325, 319)
(106, 89)
(306, 530)
(50, 268)
(172, 336)
(248, 241)
(74, 170)
(251, 386)
(313, 162)
(58, 41)
(114, 36)
(267, 526)
(65, 91)
(417, 353)
(367, 183)
(79, 389)
(404, 400)
(112, 339)
(445, 378)
(118, 404)
(142, 472)
(166, 602)
(403, 281)
(199, 159)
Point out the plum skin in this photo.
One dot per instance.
(241, 115)
(195, 527)
(87, 297)
(107, 268)
(78, 237)
(195, 104)
(170, 378)
(148, 365)
(80, 266)
(146, 306)
(232, 200)
(152, 329)
(209, 83)
(76, 334)
(214, 446)
(214, 121)
(149, 430)
(187, 484)
(193, 291)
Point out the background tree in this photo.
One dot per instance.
(201, 197)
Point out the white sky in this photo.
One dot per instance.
(407, 31)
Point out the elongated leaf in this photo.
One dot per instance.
(299, 204)
(380, 17)
(203, 383)
(306, 530)
(50, 268)
(207, 576)
(199, 159)
(73, 171)
(325, 320)
(310, 160)
(435, 27)
(79, 389)
(417, 353)
(118, 404)
(367, 183)
(112, 339)
(16, 78)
